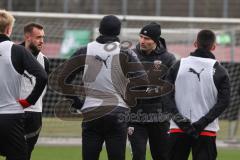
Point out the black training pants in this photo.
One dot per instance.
(203, 148)
(106, 129)
(32, 126)
(12, 142)
(156, 133)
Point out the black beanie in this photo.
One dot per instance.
(110, 26)
(152, 30)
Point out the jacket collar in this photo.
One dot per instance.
(107, 39)
(3, 37)
(22, 44)
(203, 53)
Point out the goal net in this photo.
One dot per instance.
(67, 32)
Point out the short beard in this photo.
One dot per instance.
(34, 49)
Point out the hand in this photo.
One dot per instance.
(200, 124)
(191, 131)
(77, 104)
(75, 111)
(185, 124)
(130, 130)
(24, 103)
(199, 128)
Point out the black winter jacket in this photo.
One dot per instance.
(152, 105)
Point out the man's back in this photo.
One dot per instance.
(10, 82)
(195, 79)
(103, 74)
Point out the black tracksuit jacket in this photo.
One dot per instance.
(152, 105)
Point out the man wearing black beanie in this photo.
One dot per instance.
(105, 82)
(151, 50)
(110, 26)
(153, 31)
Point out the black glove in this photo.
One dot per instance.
(181, 121)
(191, 131)
(77, 103)
(200, 124)
(185, 124)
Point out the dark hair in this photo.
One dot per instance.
(29, 27)
(206, 39)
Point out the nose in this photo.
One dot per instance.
(42, 40)
(142, 40)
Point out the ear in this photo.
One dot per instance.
(213, 47)
(8, 31)
(27, 36)
(195, 44)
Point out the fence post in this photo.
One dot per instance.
(9, 5)
(225, 8)
(158, 8)
(37, 6)
(191, 8)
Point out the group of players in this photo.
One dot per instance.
(193, 92)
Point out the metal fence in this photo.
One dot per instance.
(191, 8)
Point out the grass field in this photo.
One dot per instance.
(53, 127)
(74, 153)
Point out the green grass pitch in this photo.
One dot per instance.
(74, 153)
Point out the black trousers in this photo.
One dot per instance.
(203, 148)
(106, 129)
(156, 133)
(32, 126)
(12, 142)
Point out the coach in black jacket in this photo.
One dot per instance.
(146, 118)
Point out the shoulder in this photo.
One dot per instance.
(221, 76)
(19, 48)
(169, 54)
(175, 66)
(220, 69)
(173, 72)
(130, 54)
(80, 51)
(19, 52)
(168, 58)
